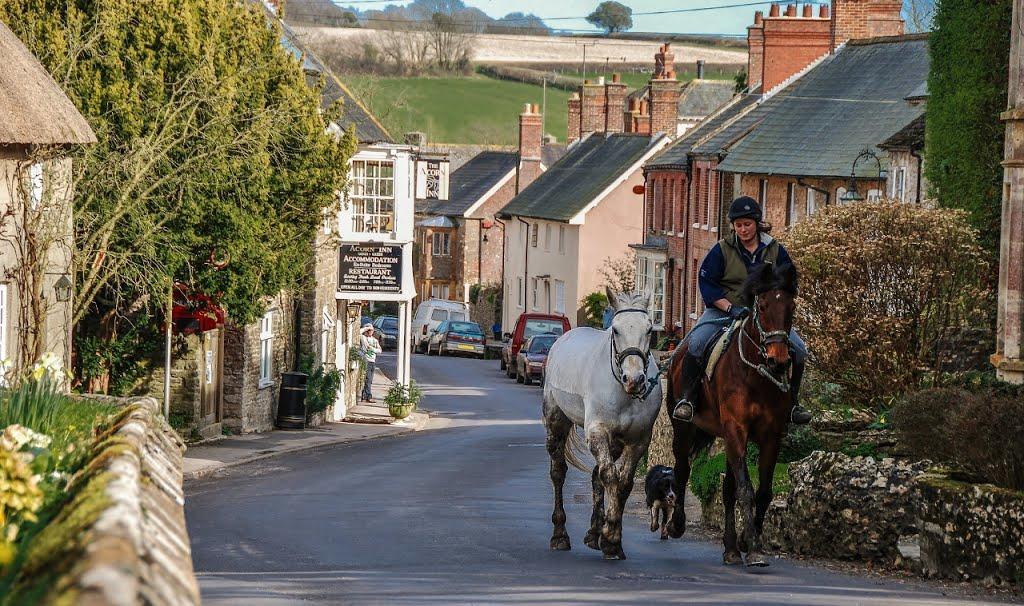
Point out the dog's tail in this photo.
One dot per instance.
(575, 447)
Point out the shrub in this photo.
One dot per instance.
(706, 471)
(321, 387)
(980, 432)
(593, 309)
(873, 309)
(531, 76)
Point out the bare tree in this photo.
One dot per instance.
(919, 14)
(619, 273)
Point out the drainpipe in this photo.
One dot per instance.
(920, 165)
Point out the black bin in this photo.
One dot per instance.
(291, 405)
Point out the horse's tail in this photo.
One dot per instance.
(574, 448)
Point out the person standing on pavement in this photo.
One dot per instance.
(369, 347)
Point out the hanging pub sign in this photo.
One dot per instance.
(432, 178)
(370, 268)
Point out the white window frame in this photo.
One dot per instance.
(899, 175)
(840, 192)
(326, 325)
(267, 349)
(812, 202)
(560, 297)
(371, 194)
(441, 244)
(547, 296)
(440, 290)
(534, 230)
(695, 278)
(547, 237)
(650, 280)
(790, 204)
(874, 195)
(762, 193)
(533, 293)
(561, 239)
(520, 293)
(524, 233)
(707, 197)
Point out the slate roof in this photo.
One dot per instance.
(589, 166)
(701, 97)
(850, 102)
(676, 155)
(472, 180)
(33, 108)
(368, 128)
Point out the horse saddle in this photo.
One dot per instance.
(720, 344)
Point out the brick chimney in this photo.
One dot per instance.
(852, 19)
(592, 108)
(574, 118)
(790, 43)
(615, 105)
(530, 134)
(755, 51)
(664, 94)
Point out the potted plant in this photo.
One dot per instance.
(402, 399)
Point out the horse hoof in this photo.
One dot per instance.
(664, 536)
(592, 540)
(756, 559)
(731, 558)
(615, 555)
(676, 531)
(560, 544)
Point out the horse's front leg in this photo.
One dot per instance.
(593, 537)
(682, 436)
(767, 458)
(736, 452)
(558, 427)
(732, 553)
(607, 451)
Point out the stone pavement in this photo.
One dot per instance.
(365, 421)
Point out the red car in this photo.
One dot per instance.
(529, 325)
(533, 357)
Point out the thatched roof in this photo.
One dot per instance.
(34, 109)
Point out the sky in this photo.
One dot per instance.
(722, 21)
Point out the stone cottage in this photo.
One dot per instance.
(39, 128)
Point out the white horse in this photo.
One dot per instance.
(606, 382)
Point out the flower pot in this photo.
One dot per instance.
(401, 410)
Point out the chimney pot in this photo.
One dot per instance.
(536, 108)
(823, 11)
(527, 107)
(758, 17)
(587, 81)
(791, 10)
(600, 80)
(808, 11)
(616, 78)
(774, 11)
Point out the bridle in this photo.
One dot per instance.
(616, 358)
(765, 338)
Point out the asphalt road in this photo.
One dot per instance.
(460, 514)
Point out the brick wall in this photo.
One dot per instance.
(853, 19)
(665, 105)
(592, 109)
(573, 133)
(791, 43)
(615, 101)
(755, 51)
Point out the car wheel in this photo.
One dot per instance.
(441, 351)
(527, 380)
(519, 377)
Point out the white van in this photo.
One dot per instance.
(429, 316)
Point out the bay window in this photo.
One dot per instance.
(372, 195)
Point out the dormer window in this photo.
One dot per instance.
(372, 195)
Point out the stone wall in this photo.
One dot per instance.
(970, 531)
(121, 539)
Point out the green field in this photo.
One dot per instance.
(469, 109)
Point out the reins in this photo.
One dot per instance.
(616, 358)
(766, 338)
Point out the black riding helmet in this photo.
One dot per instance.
(744, 207)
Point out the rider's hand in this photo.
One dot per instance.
(738, 311)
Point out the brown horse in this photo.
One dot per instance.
(746, 400)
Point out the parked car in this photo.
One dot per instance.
(533, 358)
(457, 337)
(528, 325)
(385, 328)
(429, 316)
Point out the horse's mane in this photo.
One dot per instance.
(768, 276)
(627, 300)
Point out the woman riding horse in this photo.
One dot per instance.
(722, 274)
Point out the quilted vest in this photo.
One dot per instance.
(736, 270)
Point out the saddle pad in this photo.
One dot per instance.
(721, 344)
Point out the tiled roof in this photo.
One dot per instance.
(676, 155)
(472, 180)
(911, 136)
(589, 166)
(368, 128)
(850, 102)
(699, 98)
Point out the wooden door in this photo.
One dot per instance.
(210, 376)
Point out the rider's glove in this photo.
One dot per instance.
(738, 311)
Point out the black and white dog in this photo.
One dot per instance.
(660, 497)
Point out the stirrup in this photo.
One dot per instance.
(683, 411)
(799, 415)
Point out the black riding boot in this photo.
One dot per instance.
(692, 380)
(798, 415)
